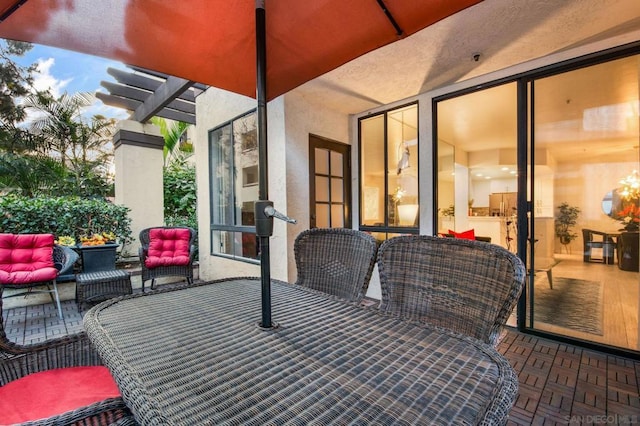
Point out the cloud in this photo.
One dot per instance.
(43, 79)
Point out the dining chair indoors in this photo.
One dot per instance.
(56, 382)
(167, 251)
(31, 263)
(335, 261)
(467, 286)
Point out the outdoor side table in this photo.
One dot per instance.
(92, 287)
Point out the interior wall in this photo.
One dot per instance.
(584, 186)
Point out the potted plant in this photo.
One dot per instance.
(567, 218)
(98, 252)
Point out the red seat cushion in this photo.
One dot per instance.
(26, 258)
(168, 247)
(53, 392)
(467, 235)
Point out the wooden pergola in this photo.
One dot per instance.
(148, 93)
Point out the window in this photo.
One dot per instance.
(389, 172)
(250, 176)
(234, 173)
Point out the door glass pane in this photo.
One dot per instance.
(337, 193)
(585, 135)
(322, 161)
(477, 179)
(336, 164)
(446, 186)
(322, 188)
(322, 216)
(337, 216)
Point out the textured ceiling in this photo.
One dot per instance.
(504, 32)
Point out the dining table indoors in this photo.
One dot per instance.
(198, 355)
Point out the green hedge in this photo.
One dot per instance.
(70, 216)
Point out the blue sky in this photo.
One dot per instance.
(71, 72)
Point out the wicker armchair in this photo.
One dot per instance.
(33, 272)
(336, 261)
(167, 251)
(53, 357)
(467, 286)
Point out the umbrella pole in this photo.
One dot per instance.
(264, 224)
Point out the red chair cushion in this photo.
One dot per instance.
(168, 247)
(26, 258)
(53, 392)
(467, 235)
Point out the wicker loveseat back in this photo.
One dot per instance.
(335, 261)
(467, 286)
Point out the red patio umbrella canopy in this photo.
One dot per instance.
(222, 43)
(213, 41)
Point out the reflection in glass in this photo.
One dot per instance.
(446, 186)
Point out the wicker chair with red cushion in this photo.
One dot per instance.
(167, 251)
(30, 262)
(56, 382)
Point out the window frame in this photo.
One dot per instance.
(214, 198)
(386, 231)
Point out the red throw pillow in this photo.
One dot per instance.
(467, 235)
(53, 392)
(168, 247)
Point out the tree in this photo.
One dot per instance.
(179, 175)
(172, 133)
(77, 143)
(30, 174)
(15, 83)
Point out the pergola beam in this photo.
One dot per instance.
(141, 95)
(132, 105)
(145, 83)
(162, 96)
(148, 93)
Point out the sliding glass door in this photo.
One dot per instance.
(584, 161)
(578, 130)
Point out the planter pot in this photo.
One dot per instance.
(628, 251)
(565, 240)
(98, 258)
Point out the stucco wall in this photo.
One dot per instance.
(138, 180)
(303, 118)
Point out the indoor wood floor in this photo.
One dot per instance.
(559, 383)
(621, 301)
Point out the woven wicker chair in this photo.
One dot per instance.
(19, 361)
(470, 287)
(335, 261)
(167, 269)
(63, 260)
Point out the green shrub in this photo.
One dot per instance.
(64, 216)
(180, 199)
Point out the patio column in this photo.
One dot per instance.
(138, 176)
